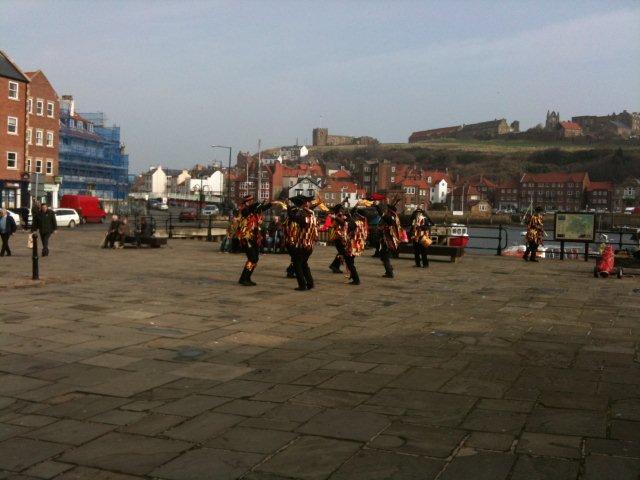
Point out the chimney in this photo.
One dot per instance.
(67, 104)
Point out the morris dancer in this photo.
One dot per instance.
(534, 236)
(250, 236)
(338, 235)
(357, 232)
(291, 231)
(305, 241)
(420, 224)
(389, 229)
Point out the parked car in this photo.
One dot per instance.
(22, 212)
(67, 217)
(88, 208)
(210, 210)
(158, 205)
(187, 215)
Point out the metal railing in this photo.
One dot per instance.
(503, 235)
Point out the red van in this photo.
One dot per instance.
(89, 208)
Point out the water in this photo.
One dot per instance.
(514, 237)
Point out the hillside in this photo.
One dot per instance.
(499, 158)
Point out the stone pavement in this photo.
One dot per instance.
(155, 364)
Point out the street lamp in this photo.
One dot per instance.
(201, 188)
(228, 176)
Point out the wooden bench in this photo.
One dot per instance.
(454, 253)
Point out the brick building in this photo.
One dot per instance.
(42, 137)
(506, 195)
(492, 128)
(13, 123)
(570, 130)
(600, 196)
(554, 190)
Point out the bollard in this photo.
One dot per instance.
(499, 251)
(35, 271)
(170, 227)
(209, 237)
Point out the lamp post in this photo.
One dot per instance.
(228, 202)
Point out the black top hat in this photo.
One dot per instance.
(298, 200)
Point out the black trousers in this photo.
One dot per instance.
(342, 253)
(5, 244)
(532, 249)
(385, 256)
(291, 269)
(44, 237)
(350, 260)
(420, 255)
(301, 265)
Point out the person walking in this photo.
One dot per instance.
(420, 224)
(534, 236)
(357, 232)
(338, 235)
(7, 228)
(306, 239)
(44, 222)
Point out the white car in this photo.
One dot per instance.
(67, 217)
(210, 210)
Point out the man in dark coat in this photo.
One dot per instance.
(45, 223)
(7, 228)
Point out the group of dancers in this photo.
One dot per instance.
(348, 229)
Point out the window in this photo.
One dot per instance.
(13, 90)
(39, 107)
(72, 123)
(49, 166)
(393, 179)
(80, 124)
(569, 193)
(367, 169)
(410, 190)
(39, 137)
(27, 167)
(29, 105)
(12, 125)
(49, 139)
(12, 160)
(91, 130)
(423, 192)
(393, 169)
(38, 165)
(29, 134)
(327, 196)
(50, 108)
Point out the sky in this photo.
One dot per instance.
(179, 76)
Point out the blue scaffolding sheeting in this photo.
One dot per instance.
(92, 157)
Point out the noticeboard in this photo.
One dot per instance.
(575, 227)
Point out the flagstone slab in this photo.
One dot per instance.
(208, 463)
(16, 454)
(379, 465)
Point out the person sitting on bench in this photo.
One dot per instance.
(144, 232)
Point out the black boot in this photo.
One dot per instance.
(335, 265)
(291, 271)
(245, 278)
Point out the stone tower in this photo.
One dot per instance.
(320, 137)
(553, 121)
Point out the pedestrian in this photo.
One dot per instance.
(420, 223)
(7, 228)
(144, 231)
(250, 235)
(45, 223)
(110, 237)
(535, 235)
(306, 239)
(123, 231)
(389, 230)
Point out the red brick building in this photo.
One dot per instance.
(570, 130)
(43, 125)
(600, 196)
(13, 121)
(554, 190)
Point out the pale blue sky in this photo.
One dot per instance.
(179, 76)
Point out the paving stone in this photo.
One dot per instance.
(422, 379)
(618, 448)
(598, 467)
(475, 387)
(70, 431)
(330, 398)
(481, 466)
(14, 384)
(153, 424)
(211, 371)
(142, 405)
(531, 468)
(119, 417)
(48, 469)
(85, 473)
(543, 444)
(132, 454)
(311, 458)
(435, 408)
(349, 366)
(508, 405)
(347, 424)
(248, 408)
(82, 407)
(242, 439)
(627, 409)
(357, 382)
(567, 422)
(625, 430)
(191, 405)
(490, 441)
(573, 400)
(202, 463)
(418, 440)
(494, 421)
(19, 453)
(32, 420)
(377, 465)
(280, 393)
(129, 384)
(287, 417)
(8, 431)
(238, 389)
(203, 427)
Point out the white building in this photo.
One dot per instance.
(155, 181)
(305, 186)
(212, 184)
(438, 187)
